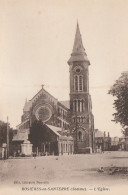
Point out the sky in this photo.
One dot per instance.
(36, 40)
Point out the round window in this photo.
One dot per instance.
(43, 113)
(78, 70)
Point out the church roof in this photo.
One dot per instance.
(66, 103)
(78, 52)
(28, 104)
(58, 132)
(54, 129)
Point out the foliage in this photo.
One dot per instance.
(120, 91)
(3, 133)
(38, 133)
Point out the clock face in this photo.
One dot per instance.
(43, 113)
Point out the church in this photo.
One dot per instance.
(67, 127)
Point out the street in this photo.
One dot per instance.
(64, 170)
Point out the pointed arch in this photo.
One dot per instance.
(75, 83)
(75, 105)
(78, 105)
(81, 83)
(82, 102)
(80, 136)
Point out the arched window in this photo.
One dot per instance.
(76, 83)
(80, 136)
(82, 105)
(80, 83)
(78, 105)
(75, 108)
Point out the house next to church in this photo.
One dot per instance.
(68, 125)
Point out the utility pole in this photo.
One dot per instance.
(7, 138)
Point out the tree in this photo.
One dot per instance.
(120, 91)
(37, 133)
(3, 133)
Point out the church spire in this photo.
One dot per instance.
(78, 45)
(78, 52)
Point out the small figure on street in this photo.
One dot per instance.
(101, 170)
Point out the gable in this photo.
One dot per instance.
(42, 94)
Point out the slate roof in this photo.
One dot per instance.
(66, 103)
(58, 131)
(55, 129)
(78, 52)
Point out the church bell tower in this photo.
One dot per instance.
(82, 120)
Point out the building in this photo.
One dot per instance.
(123, 143)
(68, 124)
(102, 142)
(115, 143)
(82, 119)
(54, 115)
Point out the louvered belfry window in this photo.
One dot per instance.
(78, 83)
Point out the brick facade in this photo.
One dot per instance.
(82, 120)
(75, 119)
